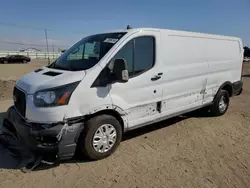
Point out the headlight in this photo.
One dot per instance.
(54, 96)
(47, 96)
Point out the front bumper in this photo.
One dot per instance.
(57, 139)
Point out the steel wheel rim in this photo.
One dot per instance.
(222, 104)
(104, 138)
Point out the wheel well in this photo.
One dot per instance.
(228, 88)
(108, 112)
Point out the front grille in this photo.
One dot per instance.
(19, 101)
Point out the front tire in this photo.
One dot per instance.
(220, 104)
(100, 138)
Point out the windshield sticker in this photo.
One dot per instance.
(110, 40)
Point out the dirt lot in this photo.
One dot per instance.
(10, 73)
(181, 152)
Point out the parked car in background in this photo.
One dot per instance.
(14, 59)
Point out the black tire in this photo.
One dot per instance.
(215, 108)
(85, 144)
(5, 62)
(24, 61)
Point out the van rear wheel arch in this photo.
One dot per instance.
(227, 86)
(221, 103)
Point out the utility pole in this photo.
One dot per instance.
(47, 45)
(53, 46)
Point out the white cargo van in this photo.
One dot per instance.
(110, 83)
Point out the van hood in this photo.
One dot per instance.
(46, 78)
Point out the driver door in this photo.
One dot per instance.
(141, 95)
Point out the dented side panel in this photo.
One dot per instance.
(177, 102)
(142, 114)
(123, 114)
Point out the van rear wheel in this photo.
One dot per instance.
(100, 138)
(220, 104)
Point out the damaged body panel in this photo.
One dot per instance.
(45, 139)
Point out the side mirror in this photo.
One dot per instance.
(120, 70)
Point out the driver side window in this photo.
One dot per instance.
(126, 53)
(139, 54)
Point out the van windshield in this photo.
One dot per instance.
(87, 52)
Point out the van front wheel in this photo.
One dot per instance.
(220, 104)
(100, 138)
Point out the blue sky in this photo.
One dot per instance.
(68, 21)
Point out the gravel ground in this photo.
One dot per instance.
(191, 151)
(11, 72)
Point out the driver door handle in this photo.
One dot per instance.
(156, 77)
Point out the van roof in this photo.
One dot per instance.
(178, 32)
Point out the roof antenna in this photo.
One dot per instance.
(128, 27)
